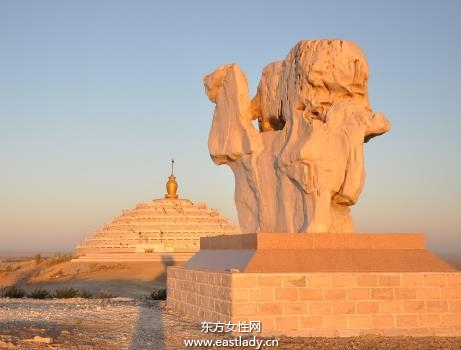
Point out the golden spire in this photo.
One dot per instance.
(171, 185)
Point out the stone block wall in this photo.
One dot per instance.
(323, 304)
(202, 295)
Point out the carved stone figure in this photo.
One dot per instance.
(234, 141)
(304, 167)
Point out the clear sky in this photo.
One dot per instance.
(97, 96)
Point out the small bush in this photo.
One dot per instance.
(59, 258)
(38, 258)
(104, 294)
(85, 294)
(39, 294)
(13, 292)
(65, 293)
(8, 268)
(159, 294)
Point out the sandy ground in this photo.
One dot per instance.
(130, 279)
(123, 323)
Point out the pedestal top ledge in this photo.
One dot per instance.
(303, 241)
(329, 252)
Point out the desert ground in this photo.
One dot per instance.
(121, 314)
(130, 279)
(123, 323)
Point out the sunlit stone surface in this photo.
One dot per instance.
(304, 167)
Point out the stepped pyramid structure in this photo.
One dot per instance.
(165, 229)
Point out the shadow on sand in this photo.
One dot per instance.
(150, 330)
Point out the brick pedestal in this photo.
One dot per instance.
(333, 302)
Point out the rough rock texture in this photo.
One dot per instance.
(233, 140)
(122, 324)
(305, 166)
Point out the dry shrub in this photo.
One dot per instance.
(159, 294)
(39, 293)
(65, 293)
(59, 258)
(13, 292)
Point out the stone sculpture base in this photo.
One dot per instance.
(320, 285)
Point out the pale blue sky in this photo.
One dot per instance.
(97, 96)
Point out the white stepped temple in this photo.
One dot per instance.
(165, 229)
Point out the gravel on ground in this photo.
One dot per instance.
(138, 324)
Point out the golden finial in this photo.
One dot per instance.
(171, 185)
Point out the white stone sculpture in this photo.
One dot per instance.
(304, 167)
